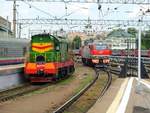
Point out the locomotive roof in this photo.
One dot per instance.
(45, 34)
(100, 43)
(59, 38)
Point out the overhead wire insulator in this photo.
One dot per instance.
(65, 7)
(99, 7)
(148, 11)
(115, 8)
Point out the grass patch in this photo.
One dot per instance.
(83, 78)
(40, 91)
(87, 79)
(87, 100)
(66, 81)
(52, 86)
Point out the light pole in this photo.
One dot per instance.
(7, 28)
(139, 44)
(14, 18)
(139, 50)
(18, 25)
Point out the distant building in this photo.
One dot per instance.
(120, 40)
(5, 28)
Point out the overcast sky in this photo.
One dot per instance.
(74, 10)
(33, 9)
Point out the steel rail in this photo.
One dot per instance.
(78, 95)
(18, 91)
(107, 84)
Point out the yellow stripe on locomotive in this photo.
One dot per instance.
(42, 47)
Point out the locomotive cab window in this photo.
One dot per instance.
(100, 47)
(57, 48)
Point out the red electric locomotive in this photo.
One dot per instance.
(96, 54)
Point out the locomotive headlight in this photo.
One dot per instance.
(96, 61)
(106, 61)
(41, 70)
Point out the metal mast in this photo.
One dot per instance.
(14, 18)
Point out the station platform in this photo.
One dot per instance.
(11, 60)
(125, 96)
(11, 69)
(8, 67)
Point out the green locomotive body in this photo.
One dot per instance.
(48, 58)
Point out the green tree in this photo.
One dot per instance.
(114, 31)
(132, 31)
(76, 43)
(146, 40)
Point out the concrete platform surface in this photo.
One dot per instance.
(125, 96)
(102, 105)
(7, 67)
(139, 101)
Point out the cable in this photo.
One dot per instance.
(66, 8)
(109, 11)
(100, 10)
(40, 10)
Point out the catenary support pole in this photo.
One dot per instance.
(14, 18)
(139, 53)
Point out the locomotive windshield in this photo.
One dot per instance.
(101, 46)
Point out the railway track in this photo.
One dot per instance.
(107, 84)
(78, 95)
(18, 91)
(114, 71)
(23, 89)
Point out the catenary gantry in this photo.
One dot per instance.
(94, 1)
(84, 22)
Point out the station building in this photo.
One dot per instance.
(121, 40)
(9, 45)
(5, 28)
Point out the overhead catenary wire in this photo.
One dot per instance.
(38, 9)
(94, 1)
(32, 6)
(67, 14)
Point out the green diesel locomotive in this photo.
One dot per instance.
(48, 58)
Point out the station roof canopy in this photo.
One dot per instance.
(119, 33)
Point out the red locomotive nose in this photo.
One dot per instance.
(40, 67)
(101, 52)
